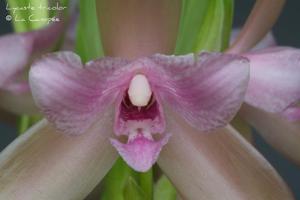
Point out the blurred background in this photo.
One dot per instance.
(287, 33)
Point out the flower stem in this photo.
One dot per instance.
(26, 121)
(261, 19)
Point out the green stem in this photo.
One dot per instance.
(24, 122)
(114, 182)
(88, 41)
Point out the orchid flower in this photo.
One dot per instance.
(29, 46)
(139, 92)
(274, 85)
(25, 45)
(272, 100)
(151, 107)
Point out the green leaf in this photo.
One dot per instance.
(26, 121)
(40, 12)
(114, 182)
(227, 25)
(215, 30)
(204, 25)
(19, 26)
(34, 15)
(164, 190)
(133, 191)
(88, 42)
(146, 182)
(192, 15)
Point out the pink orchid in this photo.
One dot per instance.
(26, 46)
(15, 95)
(274, 86)
(16, 53)
(103, 99)
(273, 96)
(275, 80)
(73, 97)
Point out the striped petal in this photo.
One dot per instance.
(207, 90)
(71, 95)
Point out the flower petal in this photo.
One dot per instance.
(274, 78)
(45, 164)
(206, 91)
(70, 95)
(219, 165)
(291, 113)
(16, 51)
(141, 153)
(282, 134)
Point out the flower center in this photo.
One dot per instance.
(141, 129)
(139, 114)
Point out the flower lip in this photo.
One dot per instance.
(140, 130)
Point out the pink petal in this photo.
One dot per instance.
(281, 134)
(140, 153)
(45, 164)
(292, 113)
(16, 51)
(173, 84)
(70, 95)
(206, 91)
(274, 78)
(218, 166)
